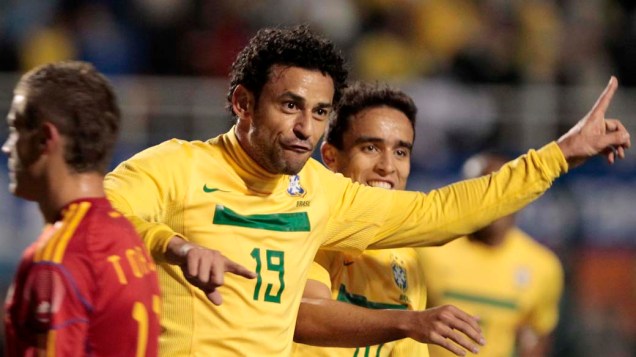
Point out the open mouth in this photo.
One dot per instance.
(381, 184)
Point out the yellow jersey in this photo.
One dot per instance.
(517, 283)
(375, 279)
(213, 194)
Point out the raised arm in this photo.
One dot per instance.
(403, 218)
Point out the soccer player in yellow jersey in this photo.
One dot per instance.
(501, 275)
(369, 140)
(253, 204)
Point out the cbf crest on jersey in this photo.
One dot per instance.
(399, 276)
(294, 189)
(523, 277)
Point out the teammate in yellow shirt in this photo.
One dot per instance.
(251, 202)
(500, 274)
(369, 140)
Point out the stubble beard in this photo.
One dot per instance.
(271, 156)
(275, 162)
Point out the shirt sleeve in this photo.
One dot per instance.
(368, 217)
(55, 309)
(144, 189)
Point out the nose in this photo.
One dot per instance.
(386, 163)
(6, 147)
(304, 126)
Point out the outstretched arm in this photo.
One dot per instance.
(446, 326)
(461, 208)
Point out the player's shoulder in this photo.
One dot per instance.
(334, 184)
(314, 168)
(67, 235)
(459, 246)
(318, 178)
(101, 224)
(174, 148)
(534, 250)
(409, 254)
(189, 147)
(526, 242)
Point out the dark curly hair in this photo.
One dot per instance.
(297, 47)
(80, 102)
(359, 96)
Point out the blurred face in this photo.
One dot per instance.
(377, 149)
(281, 131)
(22, 147)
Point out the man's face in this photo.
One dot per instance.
(288, 120)
(22, 147)
(376, 148)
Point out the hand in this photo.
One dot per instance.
(594, 134)
(449, 327)
(204, 268)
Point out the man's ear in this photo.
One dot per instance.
(243, 102)
(329, 155)
(49, 138)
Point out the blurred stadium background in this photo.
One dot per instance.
(506, 74)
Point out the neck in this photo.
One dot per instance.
(68, 187)
(491, 238)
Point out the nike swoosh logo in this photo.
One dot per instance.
(208, 189)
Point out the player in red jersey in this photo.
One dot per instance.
(87, 286)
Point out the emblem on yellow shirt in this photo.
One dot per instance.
(294, 189)
(399, 276)
(523, 276)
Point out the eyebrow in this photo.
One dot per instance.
(371, 139)
(299, 99)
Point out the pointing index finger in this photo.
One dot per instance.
(604, 100)
(235, 268)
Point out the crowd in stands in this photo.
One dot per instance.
(486, 41)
